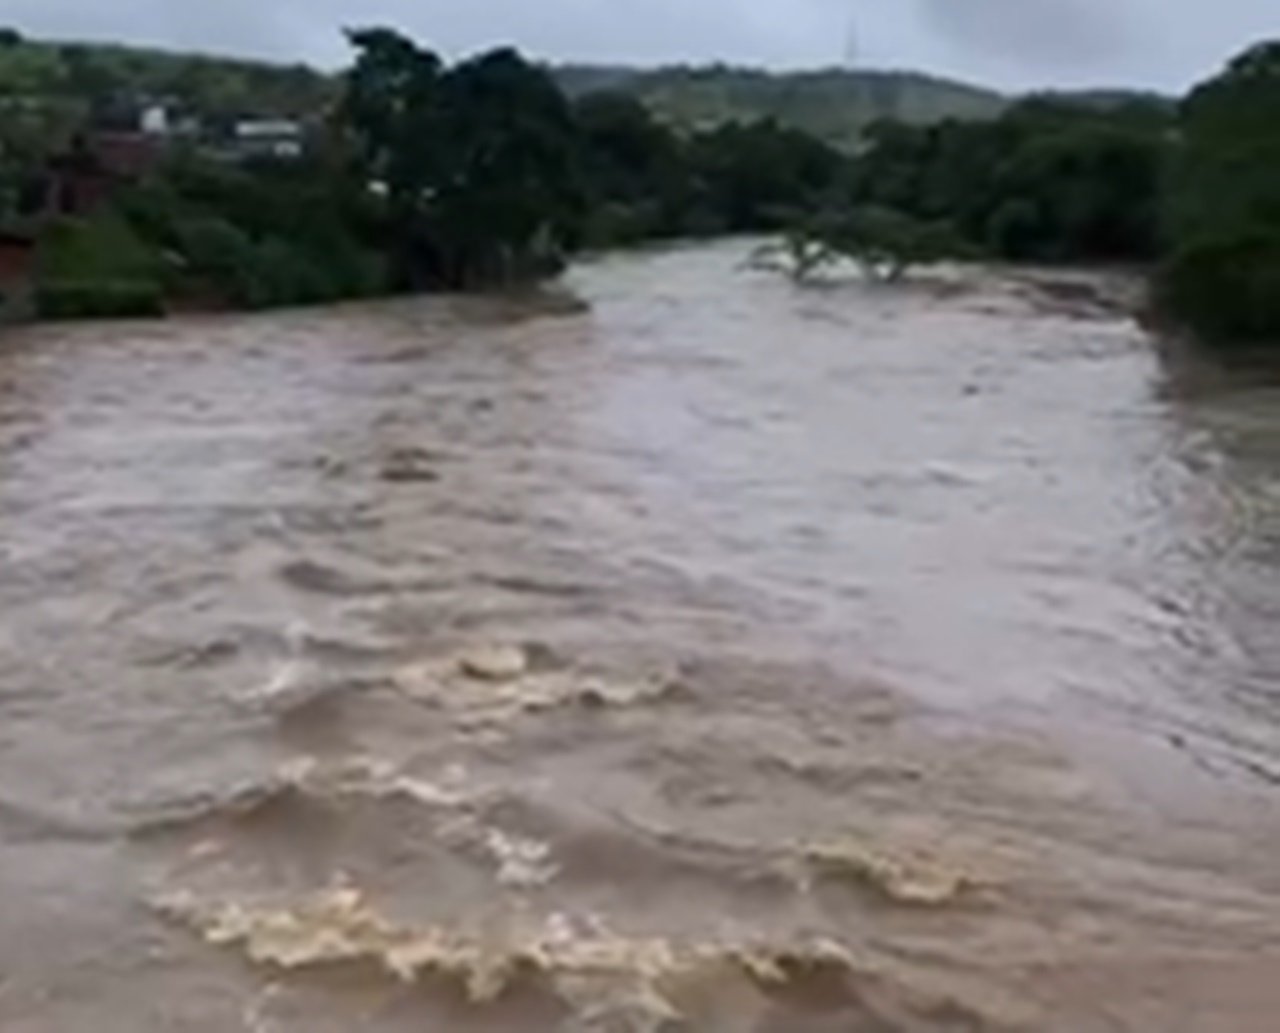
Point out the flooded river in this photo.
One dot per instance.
(728, 657)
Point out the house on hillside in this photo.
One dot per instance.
(268, 138)
(154, 120)
(85, 177)
(167, 120)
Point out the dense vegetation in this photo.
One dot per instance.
(274, 233)
(97, 267)
(1046, 181)
(421, 174)
(1223, 205)
(477, 160)
(885, 242)
(418, 174)
(101, 79)
(645, 181)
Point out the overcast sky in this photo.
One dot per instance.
(1165, 44)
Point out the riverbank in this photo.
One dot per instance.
(1071, 289)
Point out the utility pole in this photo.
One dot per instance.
(852, 43)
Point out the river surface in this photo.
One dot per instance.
(730, 656)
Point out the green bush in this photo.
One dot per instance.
(887, 242)
(1013, 229)
(96, 268)
(1228, 288)
(366, 273)
(288, 275)
(98, 299)
(329, 268)
(1223, 206)
(274, 271)
(154, 210)
(103, 246)
(618, 224)
(218, 255)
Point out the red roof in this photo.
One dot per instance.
(126, 155)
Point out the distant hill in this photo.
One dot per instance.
(834, 104)
(104, 75)
(1109, 100)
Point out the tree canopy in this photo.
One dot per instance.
(1047, 181)
(422, 173)
(477, 159)
(1223, 207)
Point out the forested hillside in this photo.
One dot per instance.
(101, 75)
(835, 105)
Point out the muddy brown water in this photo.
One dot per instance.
(728, 657)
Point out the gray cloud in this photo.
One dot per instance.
(1011, 43)
(1057, 32)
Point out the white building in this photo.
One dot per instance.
(269, 138)
(154, 120)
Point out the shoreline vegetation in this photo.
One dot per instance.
(131, 187)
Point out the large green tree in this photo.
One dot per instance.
(511, 196)
(478, 161)
(753, 176)
(634, 169)
(1224, 204)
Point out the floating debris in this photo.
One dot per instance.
(900, 878)
(496, 683)
(521, 862)
(495, 663)
(411, 466)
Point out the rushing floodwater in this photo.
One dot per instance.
(731, 657)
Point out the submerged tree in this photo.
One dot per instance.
(801, 253)
(885, 243)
